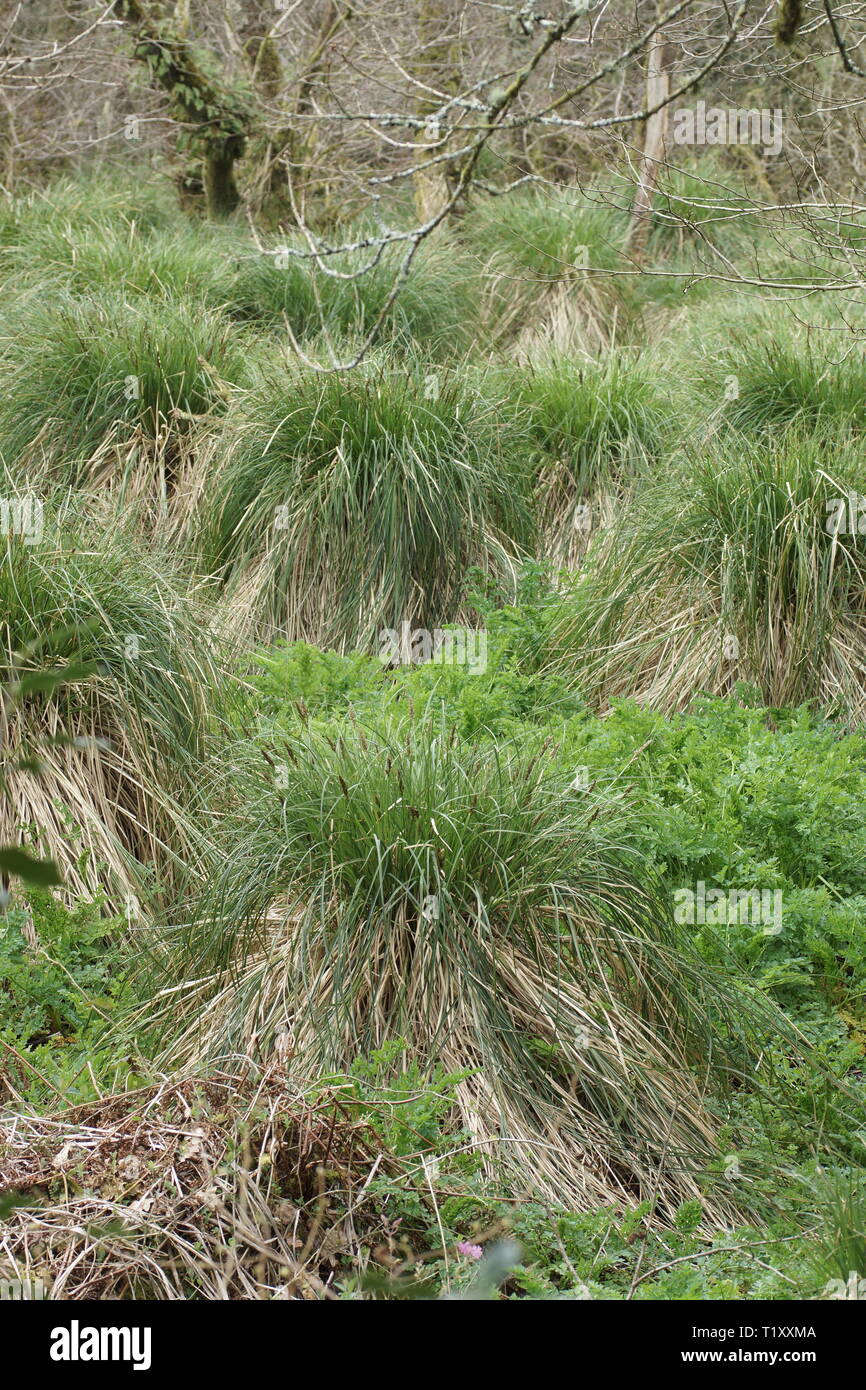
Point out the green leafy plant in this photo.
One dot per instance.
(56, 973)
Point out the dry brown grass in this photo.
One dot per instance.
(224, 1187)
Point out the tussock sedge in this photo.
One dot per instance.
(594, 426)
(340, 505)
(89, 385)
(110, 256)
(114, 794)
(808, 378)
(346, 294)
(549, 259)
(543, 232)
(744, 566)
(707, 208)
(134, 251)
(90, 204)
(464, 900)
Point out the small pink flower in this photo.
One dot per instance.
(472, 1252)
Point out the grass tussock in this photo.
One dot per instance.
(90, 385)
(347, 295)
(776, 378)
(139, 246)
(464, 900)
(123, 257)
(707, 208)
(747, 566)
(594, 425)
(550, 260)
(120, 754)
(344, 504)
(89, 204)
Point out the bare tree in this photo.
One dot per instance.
(305, 114)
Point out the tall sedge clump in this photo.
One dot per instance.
(101, 233)
(549, 258)
(119, 755)
(546, 234)
(92, 385)
(787, 375)
(594, 425)
(92, 204)
(747, 565)
(349, 294)
(111, 256)
(705, 208)
(464, 899)
(345, 504)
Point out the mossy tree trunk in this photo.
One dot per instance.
(221, 190)
(216, 119)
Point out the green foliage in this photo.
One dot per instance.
(348, 294)
(545, 234)
(408, 1105)
(593, 413)
(512, 691)
(41, 872)
(55, 988)
(498, 693)
(609, 1253)
(292, 672)
(706, 205)
(738, 796)
(805, 378)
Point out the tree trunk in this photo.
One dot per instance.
(219, 181)
(435, 66)
(218, 116)
(657, 89)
